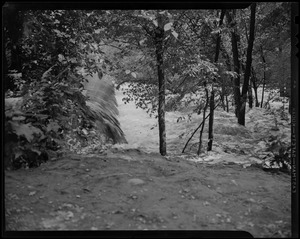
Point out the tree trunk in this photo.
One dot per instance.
(282, 81)
(227, 103)
(201, 131)
(223, 95)
(264, 79)
(236, 62)
(211, 120)
(228, 66)
(242, 109)
(254, 80)
(212, 96)
(12, 33)
(218, 43)
(256, 97)
(263, 90)
(250, 96)
(281, 89)
(159, 36)
(192, 135)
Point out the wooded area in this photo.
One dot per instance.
(150, 118)
(220, 56)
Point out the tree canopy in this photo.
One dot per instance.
(169, 58)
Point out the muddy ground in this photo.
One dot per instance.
(134, 190)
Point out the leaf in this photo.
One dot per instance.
(127, 72)
(46, 73)
(61, 58)
(19, 118)
(133, 74)
(57, 32)
(217, 31)
(231, 73)
(155, 22)
(175, 34)
(84, 131)
(36, 151)
(15, 75)
(18, 153)
(32, 193)
(14, 103)
(142, 41)
(53, 126)
(72, 60)
(26, 130)
(168, 26)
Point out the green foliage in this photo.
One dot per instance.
(25, 142)
(186, 68)
(55, 46)
(56, 49)
(281, 154)
(273, 36)
(144, 96)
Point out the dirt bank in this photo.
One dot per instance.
(133, 190)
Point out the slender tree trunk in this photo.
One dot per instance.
(256, 97)
(282, 81)
(211, 120)
(264, 79)
(227, 103)
(201, 131)
(281, 90)
(212, 96)
(218, 43)
(159, 36)
(254, 80)
(236, 62)
(250, 96)
(263, 91)
(242, 109)
(195, 131)
(223, 95)
(228, 66)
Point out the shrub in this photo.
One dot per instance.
(281, 154)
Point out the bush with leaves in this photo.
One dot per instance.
(54, 45)
(281, 154)
(23, 140)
